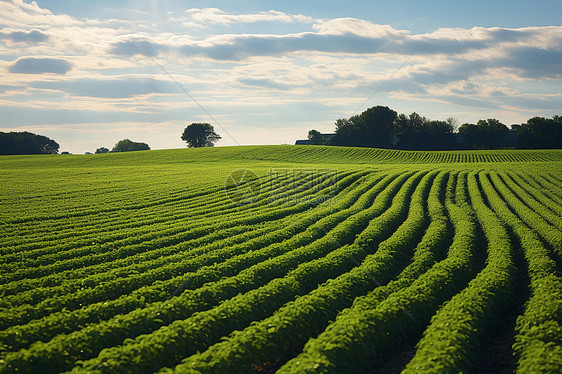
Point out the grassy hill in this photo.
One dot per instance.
(288, 153)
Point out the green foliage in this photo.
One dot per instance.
(485, 134)
(372, 128)
(26, 143)
(200, 135)
(539, 132)
(127, 145)
(419, 133)
(316, 138)
(334, 270)
(102, 150)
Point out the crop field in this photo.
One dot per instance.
(288, 259)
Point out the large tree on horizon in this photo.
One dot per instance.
(200, 135)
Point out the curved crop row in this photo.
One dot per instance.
(313, 226)
(169, 235)
(64, 350)
(449, 343)
(537, 345)
(295, 322)
(156, 253)
(533, 189)
(550, 233)
(363, 335)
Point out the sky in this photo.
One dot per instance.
(90, 73)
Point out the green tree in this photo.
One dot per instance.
(408, 130)
(485, 134)
(347, 132)
(419, 133)
(200, 135)
(315, 137)
(540, 132)
(377, 125)
(102, 150)
(127, 145)
(372, 128)
(26, 143)
(436, 135)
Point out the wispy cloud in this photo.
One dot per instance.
(141, 47)
(214, 16)
(267, 83)
(109, 88)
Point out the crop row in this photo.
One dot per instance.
(379, 322)
(157, 248)
(91, 339)
(103, 253)
(181, 207)
(304, 283)
(200, 257)
(160, 290)
(540, 323)
(448, 343)
(276, 337)
(202, 213)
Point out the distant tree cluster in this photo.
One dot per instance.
(124, 145)
(316, 138)
(102, 150)
(127, 145)
(26, 143)
(382, 127)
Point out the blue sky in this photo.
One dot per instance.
(88, 74)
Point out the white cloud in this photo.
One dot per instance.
(216, 16)
(17, 13)
(340, 26)
(321, 70)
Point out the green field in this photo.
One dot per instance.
(288, 259)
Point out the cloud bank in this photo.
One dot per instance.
(485, 48)
(261, 69)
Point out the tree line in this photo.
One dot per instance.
(378, 127)
(27, 143)
(382, 127)
(21, 143)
